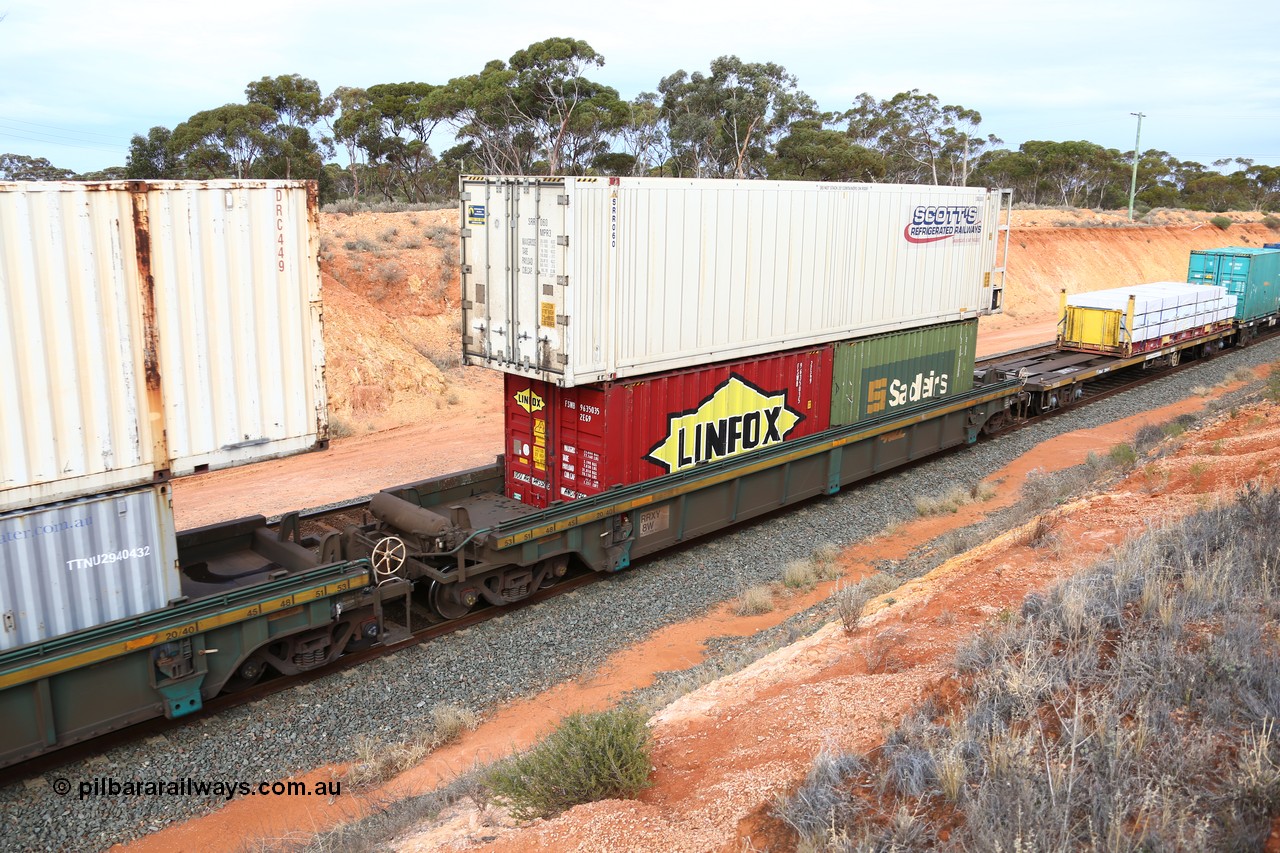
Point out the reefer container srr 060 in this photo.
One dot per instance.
(155, 327)
(582, 280)
(568, 443)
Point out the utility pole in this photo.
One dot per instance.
(1133, 184)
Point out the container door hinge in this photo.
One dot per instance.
(562, 200)
(562, 240)
(465, 232)
(464, 196)
(562, 280)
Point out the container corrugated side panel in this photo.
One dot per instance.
(1253, 275)
(664, 274)
(714, 270)
(573, 442)
(238, 301)
(70, 345)
(154, 327)
(80, 564)
(877, 375)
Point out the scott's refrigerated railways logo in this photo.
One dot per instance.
(530, 401)
(735, 418)
(933, 222)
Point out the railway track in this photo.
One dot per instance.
(353, 510)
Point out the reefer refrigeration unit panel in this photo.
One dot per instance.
(567, 443)
(583, 280)
(155, 327)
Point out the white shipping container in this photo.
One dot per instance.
(149, 328)
(581, 280)
(79, 564)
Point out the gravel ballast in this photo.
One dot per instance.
(521, 653)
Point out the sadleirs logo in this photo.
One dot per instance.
(737, 417)
(530, 401)
(933, 222)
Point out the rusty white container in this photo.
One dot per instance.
(78, 564)
(155, 328)
(582, 280)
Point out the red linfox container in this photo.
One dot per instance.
(568, 443)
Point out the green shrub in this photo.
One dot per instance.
(1223, 222)
(1123, 455)
(1272, 389)
(1271, 222)
(589, 757)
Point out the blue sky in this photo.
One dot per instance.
(79, 78)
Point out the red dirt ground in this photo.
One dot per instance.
(724, 751)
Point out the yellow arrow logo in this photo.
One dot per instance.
(530, 401)
(737, 418)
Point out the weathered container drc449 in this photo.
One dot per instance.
(567, 443)
(153, 328)
(582, 280)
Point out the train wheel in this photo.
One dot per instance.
(246, 675)
(445, 604)
(557, 568)
(1175, 358)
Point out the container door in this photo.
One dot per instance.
(1203, 268)
(514, 254)
(528, 406)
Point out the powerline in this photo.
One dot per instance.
(66, 129)
(50, 139)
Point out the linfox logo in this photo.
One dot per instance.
(885, 394)
(933, 222)
(530, 401)
(737, 417)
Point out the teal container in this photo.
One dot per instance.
(880, 375)
(1253, 275)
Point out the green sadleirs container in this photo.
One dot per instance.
(1253, 275)
(878, 375)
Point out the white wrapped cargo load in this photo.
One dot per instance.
(149, 328)
(582, 280)
(1144, 317)
(80, 564)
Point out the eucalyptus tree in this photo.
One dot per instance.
(643, 134)
(227, 141)
(299, 107)
(153, 156)
(726, 123)
(537, 113)
(21, 167)
(921, 139)
(812, 152)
